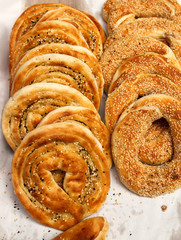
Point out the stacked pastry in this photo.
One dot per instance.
(61, 166)
(142, 72)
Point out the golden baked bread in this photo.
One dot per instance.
(82, 22)
(45, 33)
(90, 229)
(28, 106)
(150, 63)
(127, 47)
(146, 179)
(86, 117)
(129, 10)
(79, 52)
(60, 174)
(79, 74)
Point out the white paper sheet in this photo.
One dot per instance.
(129, 216)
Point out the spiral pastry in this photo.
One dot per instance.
(85, 117)
(77, 74)
(60, 176)
(121, 50)
(83, 54)
(27, 107)
(91, 228)
(44, 33)
(145, 179)
(126, 10)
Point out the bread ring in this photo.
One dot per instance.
(143, 179)
(60, 174)
(81, 75)
(151, 63)
(79, 52)
(86, 117)
(127, 47)
(162, 29)
(82, 23)
(91, 228)
(44, 33)
(131, 89)
(27, 107)
(126, 10)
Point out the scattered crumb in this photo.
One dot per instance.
(164, 208)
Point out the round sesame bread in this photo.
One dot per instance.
(86, 117)
(60, 176)
(92, 228)
(79, 52)
(145, 179)
(151, 63)
(81, 75)
(28, 106)
(129, 10)
(45, 33)
(82, 22)
(127, 47)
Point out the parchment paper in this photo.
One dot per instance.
(129, 216)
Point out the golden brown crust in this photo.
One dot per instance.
(89, 229)
(79, 52)
(60, 176)
(86, 117)
(107, 7)
(127, 47)
(126, 10)
(26, 108)
(143, 179)
(44, 33)
(81, 75)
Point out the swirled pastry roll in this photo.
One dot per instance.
(150, 63)
(89, 229)
(126, 10)
(86, 117)
(44, 33)
(82, 22)
(27, 107)
(121, 50)
(145, 179)
(79, 52)
(79, 74)
(60, 174)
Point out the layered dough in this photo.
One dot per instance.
(146, 179)
(91, 228)
(60, 176)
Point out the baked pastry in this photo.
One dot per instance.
(79, 74)
(79, 52)
(28, 106)
(89, 229)
(60, 174)
(150, 63)
(86, 117)
(129, 10)
(121, 50)
(45, 33)
(145, 179)
(82, 22)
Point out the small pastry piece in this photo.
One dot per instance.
(45, 33)
(82, 22)
(89, 229)
(79, 74)
(86, 117)
(121, 50)
(129, 10)
(28, 106)
(145, 179)
(79, 52)
(60, 174)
